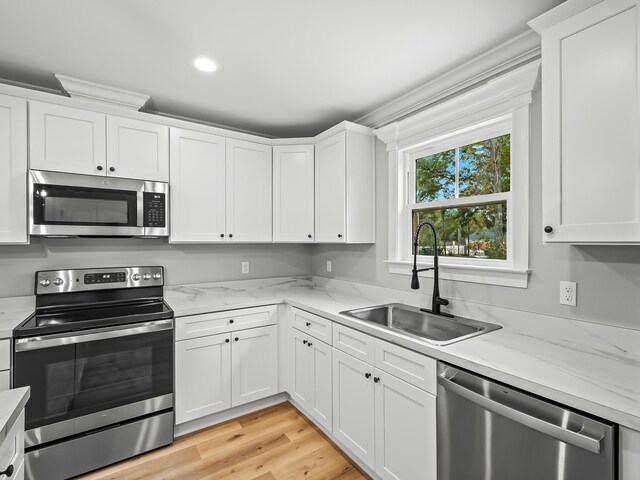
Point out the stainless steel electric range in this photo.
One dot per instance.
(98, 356)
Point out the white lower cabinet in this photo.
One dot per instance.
(203, 376)
(354, 405)
(311, 380)
(254, 364)
(12, 450)
(386, 422)
(217, 372)
(405, 430)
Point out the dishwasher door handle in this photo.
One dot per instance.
(593, 445)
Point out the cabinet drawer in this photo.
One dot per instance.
(5, 354)
(194, 326)
(353, 342)
(408, 365)
(313, 325)
(12, 449)
(4, 380)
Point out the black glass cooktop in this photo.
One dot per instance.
(82, 317)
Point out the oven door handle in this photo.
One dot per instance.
(35, 343)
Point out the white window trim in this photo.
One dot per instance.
(507, 98)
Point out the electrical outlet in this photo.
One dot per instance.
(568, 293)
(245, 267)
(328, 265)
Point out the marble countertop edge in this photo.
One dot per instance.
(11, 404)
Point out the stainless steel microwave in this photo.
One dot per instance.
(69, 205)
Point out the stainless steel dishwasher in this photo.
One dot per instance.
(490, 431)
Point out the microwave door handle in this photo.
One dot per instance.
(140, 212)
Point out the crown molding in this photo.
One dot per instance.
(510, 55)
(560, 13)
(102, 94)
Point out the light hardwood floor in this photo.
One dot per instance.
(275, 443)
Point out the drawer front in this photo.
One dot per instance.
(314, 325)
(194, 326)
(4, 380)
(410, 366)
(5, 354)
(353, 342)
(12, 449)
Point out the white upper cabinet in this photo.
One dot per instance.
(65, 139)
(137, 149)
(13, 170)
(293, 193)
(72, 140)
(248, 191)
(197, 180)
(345, 188)
(591, 155)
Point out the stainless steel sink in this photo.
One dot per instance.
(412, 321)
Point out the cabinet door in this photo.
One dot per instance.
(248, 191)
(254, 359)
(353, 405)
(137, 149)
(13, 170)
(197, 178)
(405, 430)
(293, 193)
(591, 155)
(331, 189)
(321, 408)
(203, 382)
(302, 381)
(65, 139)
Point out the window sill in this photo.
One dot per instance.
(506, 277)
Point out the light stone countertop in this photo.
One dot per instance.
(14, 311)
(591, 367)
(11, 404)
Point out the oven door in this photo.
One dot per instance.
(86, 380)
(84, 205)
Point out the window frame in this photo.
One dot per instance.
(509, 98)
(493, 128)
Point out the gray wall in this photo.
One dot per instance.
(183, 263)
(608, 276)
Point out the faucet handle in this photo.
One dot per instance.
(442, 301)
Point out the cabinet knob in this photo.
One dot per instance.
(304, 342)
(339, 235)
(309, 344)
(236, 339)
(112, 169)
(8, 471)
(222, 235)
(226, 340)
(548, 229)
(309, 235)
(367, 375)
(231, 321)
(231, 235)
(308, 324)
(99, 167)
(376, 379)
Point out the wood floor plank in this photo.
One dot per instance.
(277, 443)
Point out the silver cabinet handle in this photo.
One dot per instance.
(580, 440)
(34, 343)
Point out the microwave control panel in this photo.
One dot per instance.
(154, 209)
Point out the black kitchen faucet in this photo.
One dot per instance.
(436, 299)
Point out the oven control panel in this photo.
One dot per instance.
(79, 280)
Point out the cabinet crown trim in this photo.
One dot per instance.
(102, 94)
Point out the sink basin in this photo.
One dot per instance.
(412, 321)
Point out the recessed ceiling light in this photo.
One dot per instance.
(205, 64)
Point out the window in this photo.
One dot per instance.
(464, 191)
(463, 164)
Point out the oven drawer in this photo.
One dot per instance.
(313, 325)
(194, 326)
(5, 354)
(12, 449)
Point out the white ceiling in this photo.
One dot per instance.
(289, 67)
